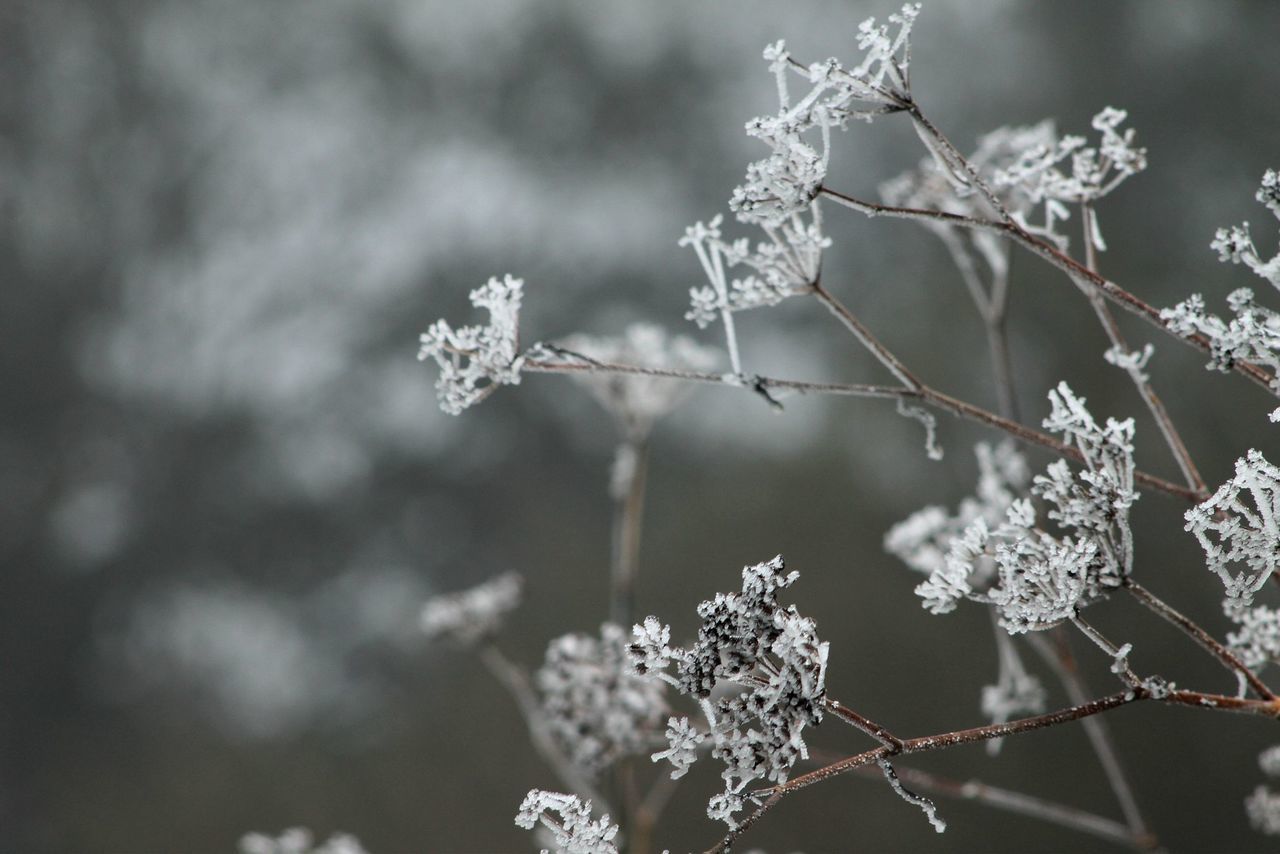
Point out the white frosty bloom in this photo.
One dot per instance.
(1037, 580)
(473, 615)
(299, 840)
(770, 656)
(1253, 334)
(1240, 524)
(1258, 640)
(922, 540)
(1094, 172)
(569, 820)
(474, 360)
(1269, 761)
(682, 752)
(596, 707)
(639, 400)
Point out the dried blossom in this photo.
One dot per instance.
(596, 707)
(574, 831)
(1240, 524)
(475, 360)
(474, 615)
(772, 662)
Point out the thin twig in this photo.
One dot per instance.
(1076, 271)
(924, 394)
(628, 517)
(1032, 806)
(1200, 636)
(1140, 381)
(1057, 654)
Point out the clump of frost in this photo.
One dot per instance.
(774, 667)
(475, 360)
(922, 540)
(1094, 172)
(299, 840)
(1253, 334)
(474, 615)
(1240, 524)
(597, 708)
(569, 821)
(1041, 579)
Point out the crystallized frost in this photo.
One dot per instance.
(475, 360)
(774, 667)
(569, 821)
(597, 709)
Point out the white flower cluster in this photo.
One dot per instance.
(574, 831)
(775, 667)
(638, 400)
(1040, 579)
(922, 540)
(1253, 335)
(1263, 806)
(299, 840)
(785, 265)
(475, 360)
(1240, 523)
(930, 186)
(785, 183)
(1095, 171)
(597, 709)
(471, 616)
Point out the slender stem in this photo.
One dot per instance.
(1076, 271)
(924, 394)
(868, 340)
(1161, 415)
(1200, 636)
(628, 518)
(1057, 654)
(1020, 803)
(870, 727)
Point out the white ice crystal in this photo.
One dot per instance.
(475, 360)
(1094, 172)
(473, 615)
(569, 821)
(1258, 640)
(1240, 524)
(923, 539)
(299, 840)
(1253, 334)
(682, 751)
(596, 707)
(775, 665)
(1040, 579)
(786, 264)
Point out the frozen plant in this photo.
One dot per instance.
(750, 689)
(473, 615)
(573, 830)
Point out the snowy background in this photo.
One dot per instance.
(225, 487)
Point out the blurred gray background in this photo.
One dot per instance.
(225, 487)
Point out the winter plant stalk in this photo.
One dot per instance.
(1035, 548)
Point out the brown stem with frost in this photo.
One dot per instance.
(1189, 627)
(1019, 803)
(1057, 654)
(924, 394)
(1154, 405)
(1074, 269)
(940, 741)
